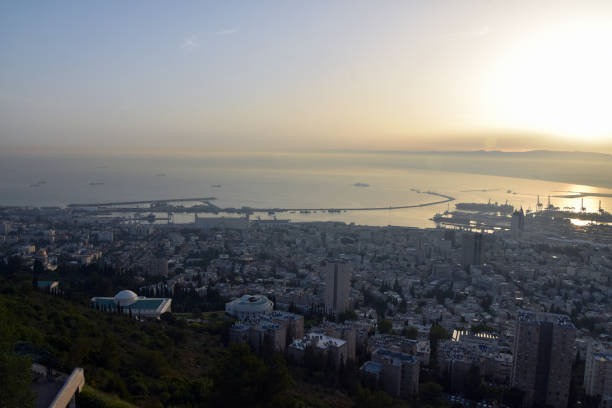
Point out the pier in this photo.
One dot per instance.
(172, 200)
(163, 206)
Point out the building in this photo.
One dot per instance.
(397, 373)
(472, 249)
(260, 334)
(331, 346)
(274, 330)
(130, 303)
(344, 331)
(54, 389)
(543, 357)
(48, 286)
(598, 371)
(249, 306)
(517, 225)
(239, 223)
(157, 267)
(465, 349)
(294, 323)
(337, 286)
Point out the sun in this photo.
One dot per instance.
(557, 81)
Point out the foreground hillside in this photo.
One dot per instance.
(149, 364)
(165, 363)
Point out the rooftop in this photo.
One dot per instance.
(395, 355)
(372, 367)
(140, 304)
(559, 320)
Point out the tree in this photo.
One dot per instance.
(430, 393)
(368, 399)
(385, 326)
(37, 270)
(240, 378)
(473, 383)
(486, 302)
(16, 375)
(513, 398)
(436, 333)
(347, 315)
(410, 332)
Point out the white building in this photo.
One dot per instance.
(249, 306)
(130, 303)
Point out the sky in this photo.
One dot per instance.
(305, 75)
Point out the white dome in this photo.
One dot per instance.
(125, 298)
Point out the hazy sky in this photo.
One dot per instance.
(274, 75)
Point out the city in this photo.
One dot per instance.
(305, 204)
(518, 317)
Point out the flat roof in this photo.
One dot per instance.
(140, 304)
(372, 367)
(396, 355)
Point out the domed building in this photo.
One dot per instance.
(125, 298)
(249, 305)
(130, 303)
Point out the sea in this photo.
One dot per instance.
(276, 180)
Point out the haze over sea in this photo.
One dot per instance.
(311, 180)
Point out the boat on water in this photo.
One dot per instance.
(361, 185)
(486, 207)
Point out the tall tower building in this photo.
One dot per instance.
(543, 357)
(517, 225)
(472, 249)
(598, 371)
(337, 285)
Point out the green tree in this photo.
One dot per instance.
(347, 315)
(368, 399)
(430, 393)
(410, 332)
(385, 326)
(15, 381)
(473, 383)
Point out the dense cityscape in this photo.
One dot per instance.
(305, 204)
(518, 317)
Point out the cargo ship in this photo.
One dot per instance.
(486, 208)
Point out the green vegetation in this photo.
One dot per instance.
(92, 398)
(150, 364)
(168, 362)
(385, 326)
(15, 379)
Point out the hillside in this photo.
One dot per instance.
(149, 364)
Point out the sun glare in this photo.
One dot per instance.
(557, 81)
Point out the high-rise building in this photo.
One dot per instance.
(337, 285)
(397, 373)
(517, 225)
(472, 249)
(598, 371)
(543, 357)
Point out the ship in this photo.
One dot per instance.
(488, 207)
